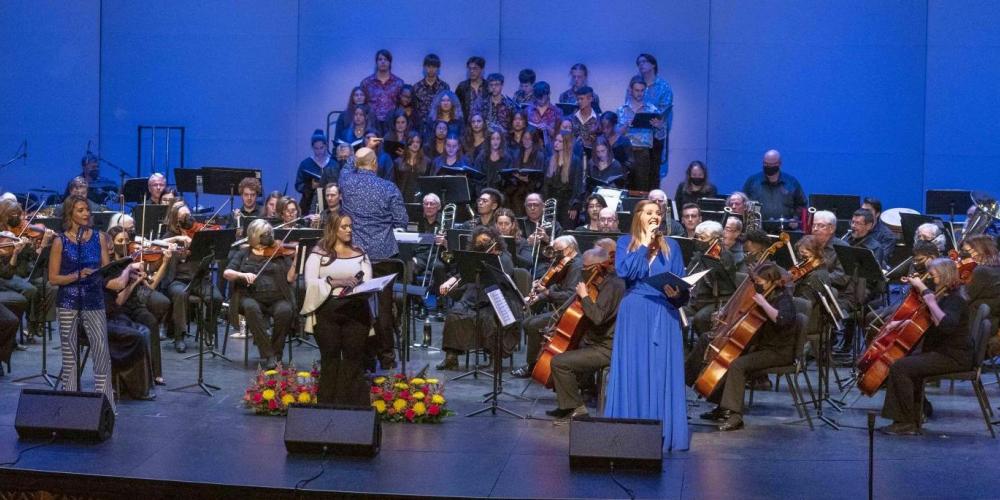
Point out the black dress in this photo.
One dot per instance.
(471, 321)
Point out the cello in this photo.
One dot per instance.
(900, 334)
(738, 322)
(568, 330)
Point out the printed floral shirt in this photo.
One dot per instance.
(382, 96)
(423, 96)
(467, 95)
(640, 137)
(586, 128)
(495, 114)
(548, 121)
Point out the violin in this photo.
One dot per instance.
(554, 270)
(33, 232)
(198, 227)
(8, 241)
(144, 254)
(280, 250)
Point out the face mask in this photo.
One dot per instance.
(267, 240)
(14, 221)
(187, 223)
(757, 288)
(700, 246)
(929, 282)
(920, 267)
(120, 249)
(963, 254)
(697, 181)
(771, 170)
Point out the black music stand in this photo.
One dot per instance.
(190, 180)
(148, 217)
(947, 202)
(226, 180)
(301, 253)
(134, 189)
(504, 298)
(824, 356)
(457, 238)
(41, 270)
(53, 223)
(858, 262)
(471, 270)
(842, 205)
(687, 247)
(100, 220)
(910, 222)
(450, 188)
(292, 234)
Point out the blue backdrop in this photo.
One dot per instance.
(887, 98)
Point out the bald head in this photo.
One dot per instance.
(594, 256)
(772, 155)
(607, 220)
(772, 163)
(364, 159)
(658, 196)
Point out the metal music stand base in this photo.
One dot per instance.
(44, 375)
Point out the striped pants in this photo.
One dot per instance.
(96, 327)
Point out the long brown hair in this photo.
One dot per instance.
(68, 204)
(172, 220)
(812, 244)
(8, 208)
(561, 162)
(986, 247)
(328, 242)
(637, 229)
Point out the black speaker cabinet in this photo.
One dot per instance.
(628, 443)
(342, 431)
(70, 415)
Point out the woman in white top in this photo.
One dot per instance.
(340, 325)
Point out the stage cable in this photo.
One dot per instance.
(322, 468)
(22, 452)
(628, 491)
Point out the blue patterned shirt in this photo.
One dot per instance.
(376, 208)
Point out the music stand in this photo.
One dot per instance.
(40, 270)
(859, 263)
(134, 189)
(842, 205)
(687, 247)
(100, 220)
(625, 221)
(629, 203)
(225, 180)
(414, 211)
(292, 234)
(53, 223)
(947, 202)
(471, 270)
(455, 237)
(450, 188)
(190, 180)
(712, 204)
(305, 246)
(910, 222)
(148, 216)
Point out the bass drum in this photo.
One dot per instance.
(893, 218)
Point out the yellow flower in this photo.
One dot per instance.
(379, 380)
(271, 372)
(303, 375)
(419, 408)
(402, 386)
(268, 394)
(432, 381)
(399, 404)
(379, 405)
(287, 399)
(418, 381)
(418, 395)
(305, 397)
(437, 399)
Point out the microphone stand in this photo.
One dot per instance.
(22, 152)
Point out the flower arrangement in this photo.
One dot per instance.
(416, 400)
(272, 391)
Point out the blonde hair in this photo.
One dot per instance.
(636, 229)
(256, 230)
(947, 273)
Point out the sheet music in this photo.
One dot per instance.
(613, 197)
(694, 278)
(372, 285)
(415, 238)
(500, 306)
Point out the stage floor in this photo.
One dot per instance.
(186, 439)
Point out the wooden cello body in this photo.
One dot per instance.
(896, 340)
(568, 330)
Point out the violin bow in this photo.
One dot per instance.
(33, 215)
(212, 218)
(269, 259)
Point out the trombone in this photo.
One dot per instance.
(446, 222)
(546, 224)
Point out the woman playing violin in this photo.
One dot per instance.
(947, 347)
(262, 272)
(774, 345)
(24, 245)
(984, 285)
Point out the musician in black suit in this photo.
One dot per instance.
(863, 235)
(558, 291)
(715, 289)
(594, 352)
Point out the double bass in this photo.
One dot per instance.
(567, 332)
(900, 334)
(738, 322)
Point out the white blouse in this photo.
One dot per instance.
(317, 287)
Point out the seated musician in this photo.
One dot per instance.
(863, 235)
(18, 292)
(555, 294)
(594, 204)
(506, 224)
(669, 225)
(102, 188)
(594, 352)
(946, 347)
(732, 241)
(428, 223)
(469, 324)
(77, 186)
(262, 275)
(737, 203)
(714, 290)
(933, 233)
(754, 243)
(129, 342)
(155, 186)
(923, 252)
(249, 189)
(984, 285)
(289, 212)
(690, 218)
(882, 232)
(144, 303)
(169, 196)
(487, 203)
(536, 231)
(180, 273)
(123, 221)
(271, 205)
(608, 221)
(773, 345)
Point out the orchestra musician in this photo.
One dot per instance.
(648, 355)
(506, 224)
(487, 203)
(731, 241)
(561, 287)
(340, 325)
(946, 347)
(755, 242)
(144, 303)
(311, 170)
(181, 272)
(882, 232)
(9, 320)
(535, 231)
(780, 195)
(101, 188)
(77, 186)
(17, 292)
(933, 233)
(262, 272)
(288, 212)
(77, 254)
(608, 221)
(984, 285)
(774, 345)
(129, 342)
(594, 352)
(169, 196)
(862, 234)
(155, 186)
(669, 225)
(249, 189)
(331, 206)
(737, 202)
(714, 290)
(690, 219)
(429, 223)
(469, 324)
(594, 204)
(271, 205)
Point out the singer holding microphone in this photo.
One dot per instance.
(340, 324)
(647, 358)
(262, 272)
(77, 255)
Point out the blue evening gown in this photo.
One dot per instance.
(647, 361)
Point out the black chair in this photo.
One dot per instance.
(791, 372)
(981, 330)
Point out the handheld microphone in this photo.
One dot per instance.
(347, 289)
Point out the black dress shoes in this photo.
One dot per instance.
(522, 372)
(733, 422)
(559, 412)
(717, 415)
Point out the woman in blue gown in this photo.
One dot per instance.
(647, 360)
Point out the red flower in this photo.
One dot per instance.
(387, 396)
(284, 373)
(376, 390)
(404, 394)
(284, 385)
(272, 383)
(272, 404)
(257, 398)
(410, 414)
(426, 389)
(399, 376)
(434, 410)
